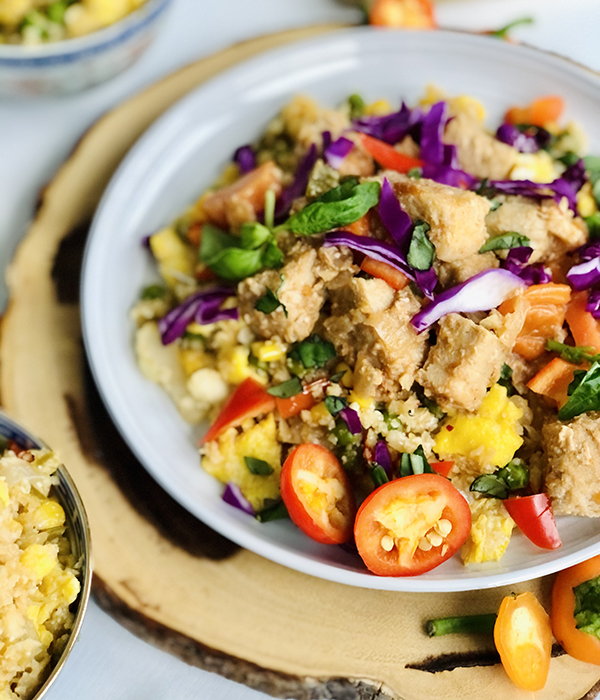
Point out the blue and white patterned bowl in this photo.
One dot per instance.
(75, 64)
(78, 531)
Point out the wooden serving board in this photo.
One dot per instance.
(162, 573)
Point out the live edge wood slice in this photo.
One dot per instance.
(165, 575)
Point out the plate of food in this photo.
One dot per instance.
(341, 302)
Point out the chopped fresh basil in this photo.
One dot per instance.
(512, 477)
(258, 466)
(339, 207)
(576, 355)
(428, 403)
(415, 463)
(153, 291)
(335, 378)
(314, 352)
(343, 436)
(269, 302)
(512, 239)
(587, 606)
(253, 235)
(284, 390)
(490, 485)
(569, 158)
(334, 404)
(415, 173)
(421, 252)
(495, 204)
(593, 224)
(357, 106)
(584, 393)
(505, 379)
(273, 510)
(378, 474)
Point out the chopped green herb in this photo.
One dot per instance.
(153, 291)
(576, 355)
(258, 466)
(337, 376)
(495, 204)
(490, 485)
(415, 173)
(339, 207)
(378, 475)
(421, 252)
(593, 224)
(342, 434)
(269, 303)
(428, 403)
(284, 390)
(584, 393)
(273, 510)
(334, 404)
(357, 106)
(313, 352)
(569, 158)
(512, 477)
(415, 463)
(505, 379)
(505, 242)
(587, 606)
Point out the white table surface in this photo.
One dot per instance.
(37, 135)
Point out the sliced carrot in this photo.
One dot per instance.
(540, 112)
(547, 305)
(361, 227)
(293, 405)
(403, 14)
(387, 156)
(250, 189)
(553, 380)
(584, 328)
(385, 272)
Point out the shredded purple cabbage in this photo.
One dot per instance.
(382, 456)
(202, 307)
(483, 292)
(565, 186)
(585, 275)
(298, 186)
(336, 151)
(529, 141)
(393, 127)
(590, 250)
(433, 148)
(593, 303)
(234, 496)
(516, 262)
(352, 420)
(245, 158)
(447, 175)
(394, 218)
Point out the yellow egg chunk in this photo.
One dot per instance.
(490, 436)
(490, 534)
(224, 459)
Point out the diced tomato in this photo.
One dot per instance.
(250, 190)
(403, 14)
(293, 405)
(249, 400)
(534, 517)
(577, 643)
(442, 468)
(523, 638)
(385, 272)
(317, 494)
(387, 156)
(397, 523)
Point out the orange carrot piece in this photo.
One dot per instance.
(540, 112)
(361, 227)
(584, 328)
(376, 268)
(403, 14)
(553, 380)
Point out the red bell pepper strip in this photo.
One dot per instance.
(387, 156)
(533, 516)
(442, 468)
(249, 400)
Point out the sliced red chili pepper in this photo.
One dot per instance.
(534, 517)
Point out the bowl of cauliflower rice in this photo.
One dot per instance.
(62, 46)
(45, 576)
(353, 313)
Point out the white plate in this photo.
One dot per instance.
(182, 153)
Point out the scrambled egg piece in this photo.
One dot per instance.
(490, 436)
(490, 532)
(224, 459)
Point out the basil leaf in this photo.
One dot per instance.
(512, 239)
(313, 352)
(235, 264)
(490, 485)
(214, 241)
(253, 235)
(258, 466)
(269, 302)
(415, 463)
(378, 475)
(339, 207)
(284, 390)
(275, 510)
(584, 393)
(505, 379)
(592, 166)
(576, 355)
(335, 378)
(515, 474)
(334, 404)
(272, 256)
(428, 403)
(421, 252)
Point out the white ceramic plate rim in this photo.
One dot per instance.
(155, 163)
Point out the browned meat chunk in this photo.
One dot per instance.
(551, 228)
(573, 473)
(369, 325)
(466, 360)
(299, 286)
(479, 153)
(456, 217)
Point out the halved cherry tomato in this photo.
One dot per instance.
(383, 271)
(578, 644)
(249, 400)
(442, 468)
(523, 638)
(535, 519)
(403, 14)
(411, 525)
(317, 494)
(387, 156)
